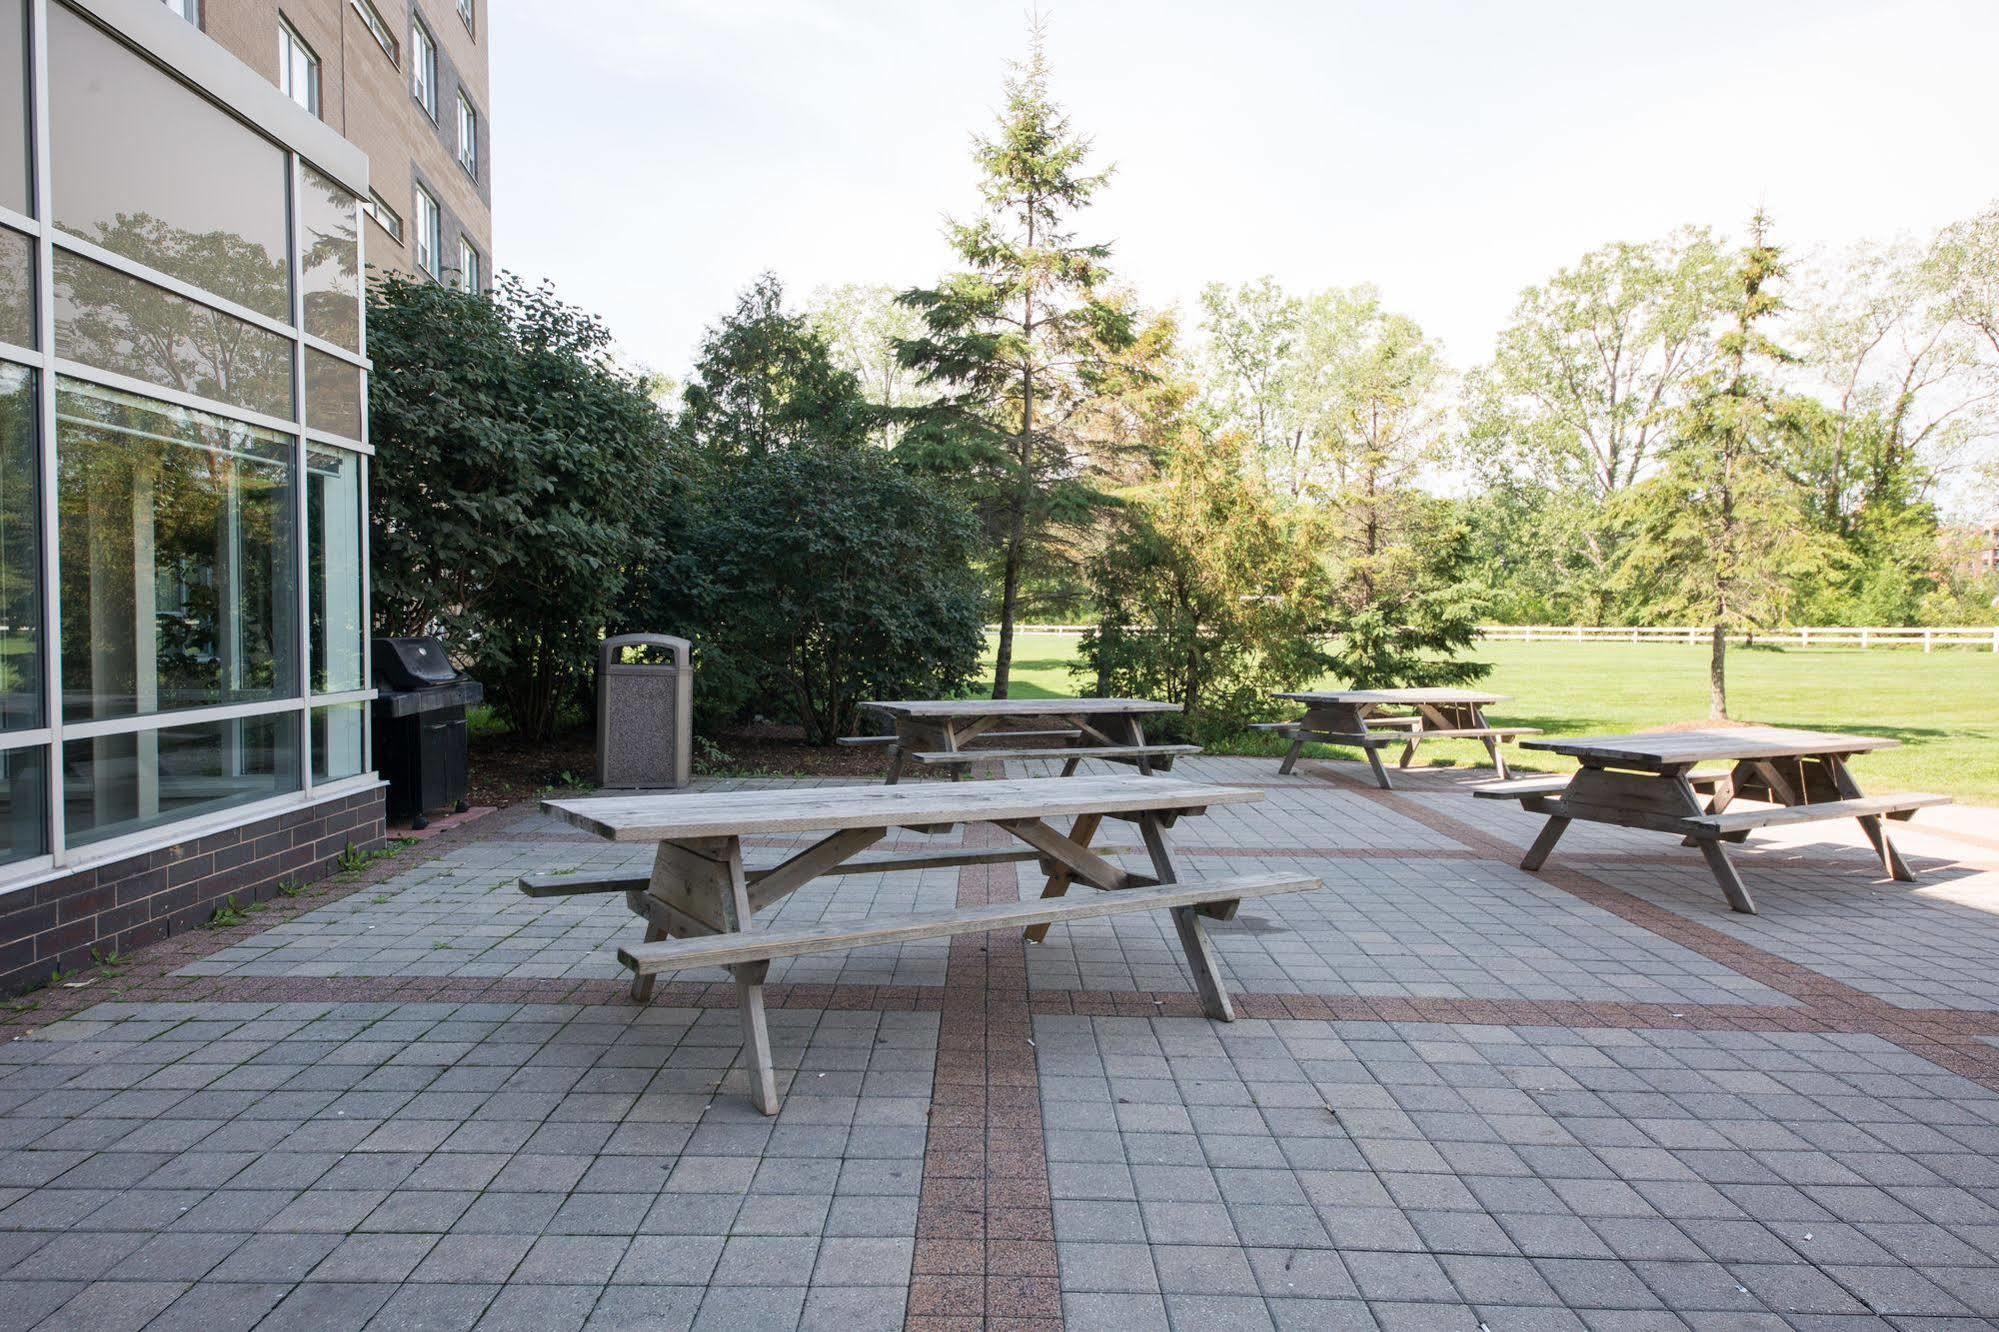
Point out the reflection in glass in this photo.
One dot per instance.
(337, 734)
(117, 784)
(178, 578)
(332, 394)
(150, 170)
(17, 289)
(20, 553)
(24, 803)
(330, 279)
(15, 187)
(333, 523)
(106, 319)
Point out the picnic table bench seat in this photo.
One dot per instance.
(961, 757)
(1776, 816)
(1214, 898)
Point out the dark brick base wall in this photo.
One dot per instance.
(125, 904)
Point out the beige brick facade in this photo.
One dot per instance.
(367, 96)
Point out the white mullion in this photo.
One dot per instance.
(302, 538)
(180, 717)
(174, 397)
(20, 221)
(28, 739)
(344, 696)
(45, 453)
(10, 351)
(337, 351)
(345, 443)
(187, 290)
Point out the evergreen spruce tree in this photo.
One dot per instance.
(1720, 534)
(1019, 343)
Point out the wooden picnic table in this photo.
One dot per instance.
(1354, 717)
(941, 732)
(700, 898)
(1648, 780)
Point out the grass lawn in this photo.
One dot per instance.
(1943, 707)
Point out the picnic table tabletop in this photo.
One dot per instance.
(1733, 743)
(667, 818)
(1015, 707)
(1393, 696)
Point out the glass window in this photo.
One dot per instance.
(330, 276)
(20, 547)
(379, 26)
(469, 14)
(17, 288)
(429, 237)
(332, 394)
(468, 137)
(118, 784)
(387, 218)
(338, 736)
(178, 578)
(24, 803)
(107, 319)
(298, 68)
(423, 68)
(469, 275)
(15, 191)
(187, 9)
(334, 519)
(149, 170)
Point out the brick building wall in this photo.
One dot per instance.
(369, 100)
(116, 907)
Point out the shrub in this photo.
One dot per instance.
(520, 478)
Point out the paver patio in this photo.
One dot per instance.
(1461, 1095)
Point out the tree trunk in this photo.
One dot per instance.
(1009, 598)
(1717, 678)
(1023, 494)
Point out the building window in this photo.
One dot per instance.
(429, 234)
(179, 586)
(469, 276)
(468, 137)
(466, 11)
(423, 68)
(387, 218)
(379, 26)
(298, 68)
(187, 9)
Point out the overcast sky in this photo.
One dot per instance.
(651, 156)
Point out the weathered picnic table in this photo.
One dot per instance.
(1648, 780)
(699, 899)
(939, 732)
(1354, 717)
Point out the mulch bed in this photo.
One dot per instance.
(507, 769)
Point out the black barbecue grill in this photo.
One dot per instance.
(420, 702)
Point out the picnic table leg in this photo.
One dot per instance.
(1296, 751)
(1877, 831)
(642, 984)
(1187, 923)
(1373, 753)
(1080, 833)
(894, 763)
(1724, 874)
(1408, 750)
(1493, 747)
(756, 1035)
(1551, 833)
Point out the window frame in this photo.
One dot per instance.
(428, 217)
(468, 10)
(468, 135)
(378, 27)
(470, 264)
(289, 43)
(187, 9)
(377, 208)
(423, 66)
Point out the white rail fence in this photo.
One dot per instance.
(1856, 636)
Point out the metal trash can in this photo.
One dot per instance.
(645, 712)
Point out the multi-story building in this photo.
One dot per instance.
(183, 481)
(1981, 554)
(403, 80)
